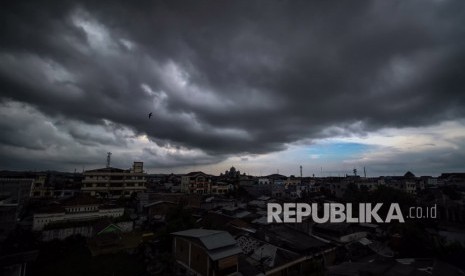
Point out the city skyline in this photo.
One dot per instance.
(262, 86)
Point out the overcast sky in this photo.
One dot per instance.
(259, 85)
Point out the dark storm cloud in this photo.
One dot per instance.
(233, 77)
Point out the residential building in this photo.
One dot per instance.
(14, 193)
(246, 180)
(277, 188)
(196, 183)
(206, 252)
(408, 186)
(77, 209)
(17, 190)
(157, 211)
(292, 181)
(220, 188)
(87, 228)
(55, 185)
(39, 187)
(112, 238)
(8, 218)
(190, 200)
(113, 182)
(367, 184)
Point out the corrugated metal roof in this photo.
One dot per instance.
(224, 252)
(196, 233)
(211, 239)
(158, 202)
(218, 244)
(218, 240)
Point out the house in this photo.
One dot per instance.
(220, 188)
(206, 252)
(111, 238)
(196, 183)
(292, 181)
(158, 210)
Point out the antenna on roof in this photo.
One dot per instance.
(108, 159)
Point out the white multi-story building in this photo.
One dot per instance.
(114, 183)
(78, 209)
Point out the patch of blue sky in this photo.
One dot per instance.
(329, 156)
(323, 151)
(336, 150)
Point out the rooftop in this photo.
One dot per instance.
(398, 267)
(106, 170)
(211, 239)
(219, 244)
(293, 239)
(196, 173)
(81, 200)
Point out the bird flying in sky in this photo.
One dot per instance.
(150, 115)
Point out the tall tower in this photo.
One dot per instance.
(108, 159)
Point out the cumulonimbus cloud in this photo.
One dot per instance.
(233, 78)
